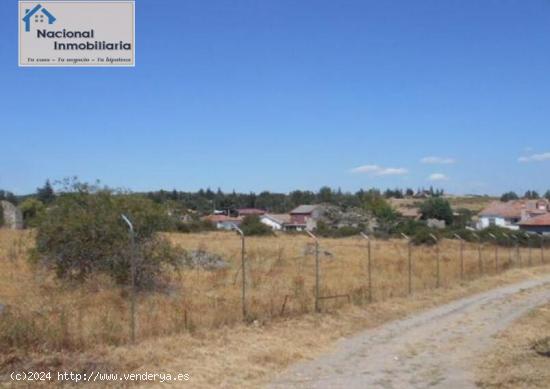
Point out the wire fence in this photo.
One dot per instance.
(295, 274)
(287, 275)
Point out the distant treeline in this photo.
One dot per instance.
(206, 200)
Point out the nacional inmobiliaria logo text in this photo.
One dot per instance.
(84, 29)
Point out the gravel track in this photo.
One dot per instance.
(433, 349)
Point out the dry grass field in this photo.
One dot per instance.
(474, 204)
(202, 310)
(513, 362)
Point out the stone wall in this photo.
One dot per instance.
(13, 218)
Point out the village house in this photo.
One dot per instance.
(277, 222)
(13, 217)
(538, 224)
(509, 214)
(304, 217)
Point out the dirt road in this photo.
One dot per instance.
(436, 348)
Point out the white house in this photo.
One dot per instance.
(277, 222)
(510, 214)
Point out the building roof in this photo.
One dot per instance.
(537, 221)
(506, 210)
(304, 209)
(280, 218)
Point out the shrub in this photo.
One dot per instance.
(251, 225)
(424, 236)
(32, 210)
(83, 233)
(194, 226)
(325, 231)
(437, 208)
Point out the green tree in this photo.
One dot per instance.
(437, 208)
(45, 194)
(325, 195)
(509, 196)
(8, 196)
(547, 195)
(251, 225)
(32, 210)
(376, 204)
(83, 233)
(531, 195)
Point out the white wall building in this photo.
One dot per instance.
(275, 221)
(510, 214)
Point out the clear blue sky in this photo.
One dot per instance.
(281, 94)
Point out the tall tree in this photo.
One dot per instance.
(45, 194)
(509, 196)
(531, 195)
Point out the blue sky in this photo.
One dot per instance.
(280, 94)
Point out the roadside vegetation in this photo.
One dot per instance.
(65, 282)
(521, 356)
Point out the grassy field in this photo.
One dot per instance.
(280, 281)
(474, 204)
(45, 317)
(513, 361)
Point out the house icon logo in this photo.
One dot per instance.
(37, 14)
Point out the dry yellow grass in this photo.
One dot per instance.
(512, 363)
(81, 327)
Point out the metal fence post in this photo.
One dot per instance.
(542, 249)
(516, 244)
(511, 247)
(496, 251)
(409, 259)
(479, 253)
(529, 258)
(133, 279)
(461, 255)
(317, 306)
(369, 264)
(243, 268)
(438, 281)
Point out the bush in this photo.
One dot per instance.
(437, 208)
(424, 236)
(83, 233)
(32, 210)
(194, 226)
(325, 231)
(1, 215)
(251, 225)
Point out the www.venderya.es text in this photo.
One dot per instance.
(97, 376)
